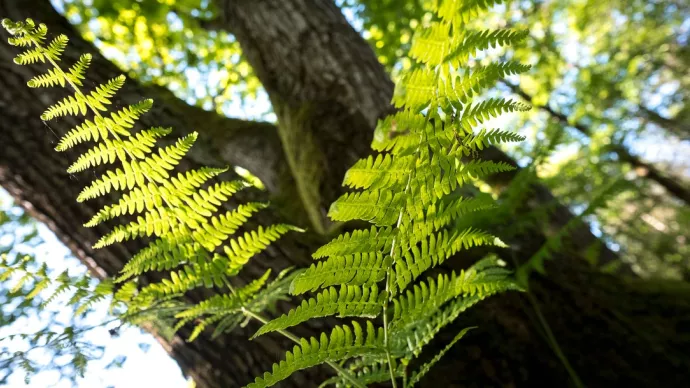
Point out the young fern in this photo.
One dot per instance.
(190, 233)
(410, 193)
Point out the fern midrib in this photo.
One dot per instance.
(388, 276)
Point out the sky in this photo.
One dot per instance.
(147, 364)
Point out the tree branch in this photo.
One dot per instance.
(644, 169)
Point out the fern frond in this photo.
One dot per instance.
(475, 41)
(241, 249)
(486, 138)
(459, 12)
(150, 196)
(394, 132)
(486, 110)
(79, 102)
(108, 151)
(180, 245)
(348, 301)
(440, 214)
(434, 250)
(381, 207)
(359, 269)
(51, 78)
(133, 173)
(358, 241)
(366, 374)
(432, 45)
(77, 72)
(102, 127)
(462, 84)
(342, 343)
(381, 172)
(222, 306)
(56, 47)
(424, 369)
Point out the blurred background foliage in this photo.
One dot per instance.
(609, 135)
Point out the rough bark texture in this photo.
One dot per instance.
(325, 83)
(327, 87)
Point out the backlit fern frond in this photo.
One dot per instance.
(358, 269)
(413, 192)
(344, 342)
(358, 241)
(183, 215)
(348, 301)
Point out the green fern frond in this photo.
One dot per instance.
(393, 132)
(134, 173)
(221, 306)
(486, 110)
(424, 369)
(459, 12)
(51, 78)
(56, 47)
(416, 90)
(348, 301)
(464, 83)
(77, 72)
(366, 375)
(108, 151)
(441, 214)
(241, 249)
(358, 241)
(102, 127)
(410, 191)
(486, 138)
(30, 57)
(362, 269)
(180, 245)
(381, 207)
(344, 342)
(476, 41)
(79, 102)
(178, 213)
(432, 45)
(150, 196)
(434, 250)
(380, 172)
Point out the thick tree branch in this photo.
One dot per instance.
(678, 128)
(325, 83)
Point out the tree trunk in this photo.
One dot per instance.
(326, 86)
(328, 91)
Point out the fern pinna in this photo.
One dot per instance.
(189, 232)
(409, 191)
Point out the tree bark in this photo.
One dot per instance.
(334, 104)
(326, 86)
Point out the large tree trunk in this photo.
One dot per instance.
(328, 89)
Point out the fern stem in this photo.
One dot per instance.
(345, 374)
(551, 339)
(389, 359)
